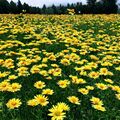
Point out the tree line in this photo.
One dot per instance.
(92, 7)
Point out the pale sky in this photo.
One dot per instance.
(40, 3)
(48, 2)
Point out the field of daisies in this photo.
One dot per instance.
(59, 67)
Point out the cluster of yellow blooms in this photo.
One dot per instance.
(55, 60)
(6, 86)
(58, 111)
(97, 104)
(71, 11)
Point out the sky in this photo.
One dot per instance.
(40, 3)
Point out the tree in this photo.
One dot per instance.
(44, 9)
(62, 9)
(19, 6)
(91, 6)
(26, 7)
(68, 5)
(54, 9)
(78, 7)
(110, 6)
(72, 6)
(49, 10)
(91, 2)
(13, 7)
(35, 10)
(4, 6)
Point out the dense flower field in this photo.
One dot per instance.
(59, 67)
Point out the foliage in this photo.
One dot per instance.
(92, 7)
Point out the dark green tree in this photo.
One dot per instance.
(13, 7)
(72, 6)
(49, 10)
(62, 9)
(78, 7)
(68, 5)
(91, 2)
(26, 7)
(44, 9)
(109, 6)
(35, 10)
(19, 6)
(91, 6)
(4, 6)
(54, 9)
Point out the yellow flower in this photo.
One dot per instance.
(54, 65)
(43, 72)
(101, 86)
(4, 86)
(4, 74)
(41, 99)
(52, 58)
(35, 69)
(84, 73)
(110, 73)
(9, 63)
(23, 71)
(93, 74)
(14, 87)
(43, 65)
(32, 102)
(13, 103)
(49, 78)
(83, 91)
(12, 77)
(117, 68)
(44, 60)
(106, 64)
(109, 81)
(118, 96)
(47, 92)
(99, 107)
(115, 88)
(93, 57)
(39, 85)
(65, 62)
(90, 87)
(56, 113)
(93, 65)
(63, 83)
(96, 101)
(55, 72)
(74, 100)
(103, 71)
(63, 106)
(77, 80)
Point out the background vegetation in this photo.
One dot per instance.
(92, 7)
